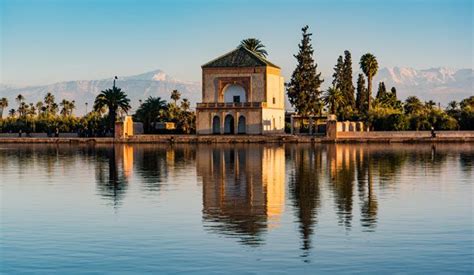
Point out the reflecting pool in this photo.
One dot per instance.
(237, 208)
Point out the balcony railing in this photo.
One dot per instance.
(231, 104)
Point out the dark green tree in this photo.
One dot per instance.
(413, 105)
(334, 100)
(361, 98)
(394, 92)
(151, 111)
(369, 65)
(382, 91)
(114, 99)
(3, 105)
(347, 85)
(304, 87)
(337, 75)
(254, 45)
(430, 104)
(175, 96)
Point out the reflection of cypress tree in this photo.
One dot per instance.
(342, 175)
(111, 184)
(304, 192)
(369, 204)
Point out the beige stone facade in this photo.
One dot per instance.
(242, 93)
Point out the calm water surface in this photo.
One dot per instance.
(236, 208)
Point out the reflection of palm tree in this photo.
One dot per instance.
(305, 193)
(112, 185)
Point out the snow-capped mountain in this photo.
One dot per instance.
(154, 83)
(439, 84)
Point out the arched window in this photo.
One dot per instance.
(229, 125)
(241, 127)
(234, 93)
(216, 125)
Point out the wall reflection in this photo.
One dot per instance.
(243, 189)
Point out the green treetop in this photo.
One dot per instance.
(304, 86)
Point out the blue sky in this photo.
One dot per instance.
(49, 41)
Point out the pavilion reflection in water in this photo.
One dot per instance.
(243, 189)
(243, 186)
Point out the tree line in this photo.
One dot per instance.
(49, 116)
(348, 102)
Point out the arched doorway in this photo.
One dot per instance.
(216, 125)
(229, 125)
(241, 127)
(234, 93)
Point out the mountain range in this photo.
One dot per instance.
(439, 84)
(137, 87)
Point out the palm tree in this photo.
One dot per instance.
(72, 106)
(150, 111)
(51, 106)
(3, 105)
(413, 105)
(185, 104)
(39, 107)
(114, 99)
(334, 99)
(22, 109)
(254, 45)
(64, 103)
(19, 99)
(68, 107)
(430, 104)
(12, 112)
(453, 105)
(175, 95)
(368, 64)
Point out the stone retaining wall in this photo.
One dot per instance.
(372, 137)
(405, 134)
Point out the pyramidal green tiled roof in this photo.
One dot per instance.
(240, 57)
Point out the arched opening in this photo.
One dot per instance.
(234, 93)
(229, 125)
(216, 125)
(241, 128)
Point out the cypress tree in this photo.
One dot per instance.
(361, 97)
(382, 91)
(337, 75)
(394, 92)
(304, 86)
(347, 85)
